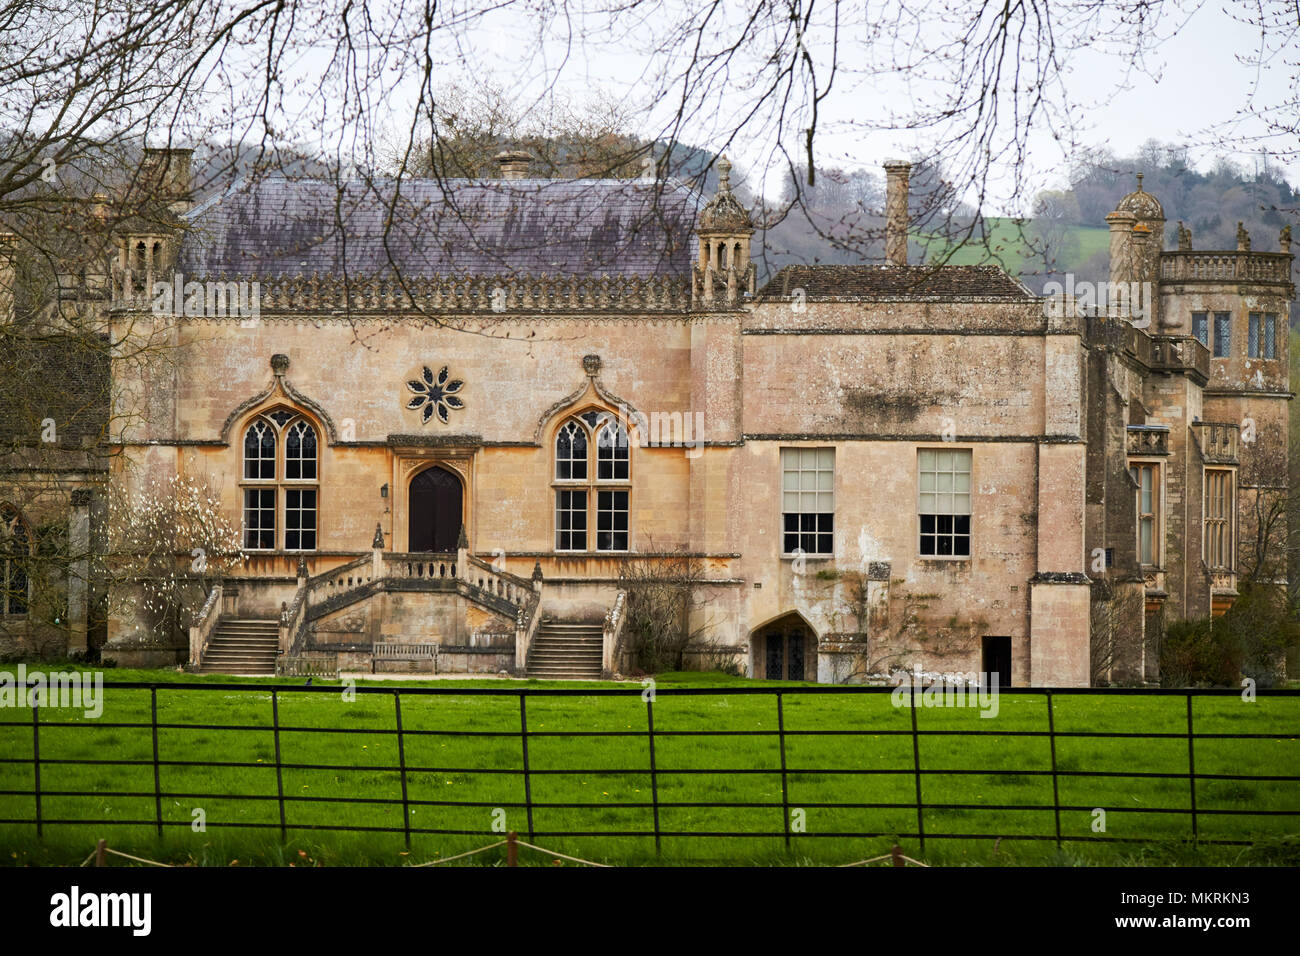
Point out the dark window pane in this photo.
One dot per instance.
(1201, 327)
(794, 656)
(1222, 334)
(775, 657)
(259, 518)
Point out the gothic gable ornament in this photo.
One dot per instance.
(434, 394)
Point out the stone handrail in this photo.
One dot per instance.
(1179, 353)
(1143, 440)
(496, 294)
(1208, 266)
(485, 577)
(421, 565)
(204, 624)
(293, 623)
(612, 632)
(526, 622)
(342, 575)
(1218, 441)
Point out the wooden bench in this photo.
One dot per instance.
(410, 653)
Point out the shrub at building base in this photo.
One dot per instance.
(1250, 640)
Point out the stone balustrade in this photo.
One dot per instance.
(1225, 266)
(1219, 441)
(442, 294)
(1147, 440)
(1179, 353)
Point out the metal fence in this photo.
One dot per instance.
(529, 769)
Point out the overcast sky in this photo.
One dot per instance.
(1187, 83)
(1190, 81)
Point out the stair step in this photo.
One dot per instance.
(242, 646)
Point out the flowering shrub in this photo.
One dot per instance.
(165, 548)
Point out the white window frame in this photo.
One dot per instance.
(930, 500)
(1224, 524)
(1157, 514)
(807, 488)
(279, 484)
(591, 484)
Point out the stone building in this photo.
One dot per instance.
(447, 421)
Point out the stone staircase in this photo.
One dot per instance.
(565, 650)
(245, 647)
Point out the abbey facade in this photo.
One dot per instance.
(446, 421)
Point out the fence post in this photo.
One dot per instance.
(401, 763)
(36, 759)
(157, 782)
(101, 853)
(512, 848)
(523, 737)
(896, 856)
(1056, 793)
(785, 791)
(916, 767)
(1191, 764)
(279, 774)
(654, 773)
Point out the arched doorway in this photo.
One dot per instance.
(785, 649)
(435, 508)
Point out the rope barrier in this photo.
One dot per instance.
(500, 843)
(138, 859)
(896, 855)
(459, 856)
(562, 856)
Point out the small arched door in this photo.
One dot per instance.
(787, 650)
(435, 509)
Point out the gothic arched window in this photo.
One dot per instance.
(280, 489)
(592, 493)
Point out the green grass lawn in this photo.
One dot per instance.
(609, 776)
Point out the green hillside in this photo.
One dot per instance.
(1017, 246)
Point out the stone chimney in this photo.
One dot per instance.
(897, 174)
(514, 164)
(165, 173)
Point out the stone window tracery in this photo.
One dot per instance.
(280, 491)
(592, 471)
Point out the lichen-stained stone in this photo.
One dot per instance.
(552, 309)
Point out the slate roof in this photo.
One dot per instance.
(921, 282)
(589, 227)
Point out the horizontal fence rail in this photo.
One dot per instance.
(527, 733)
